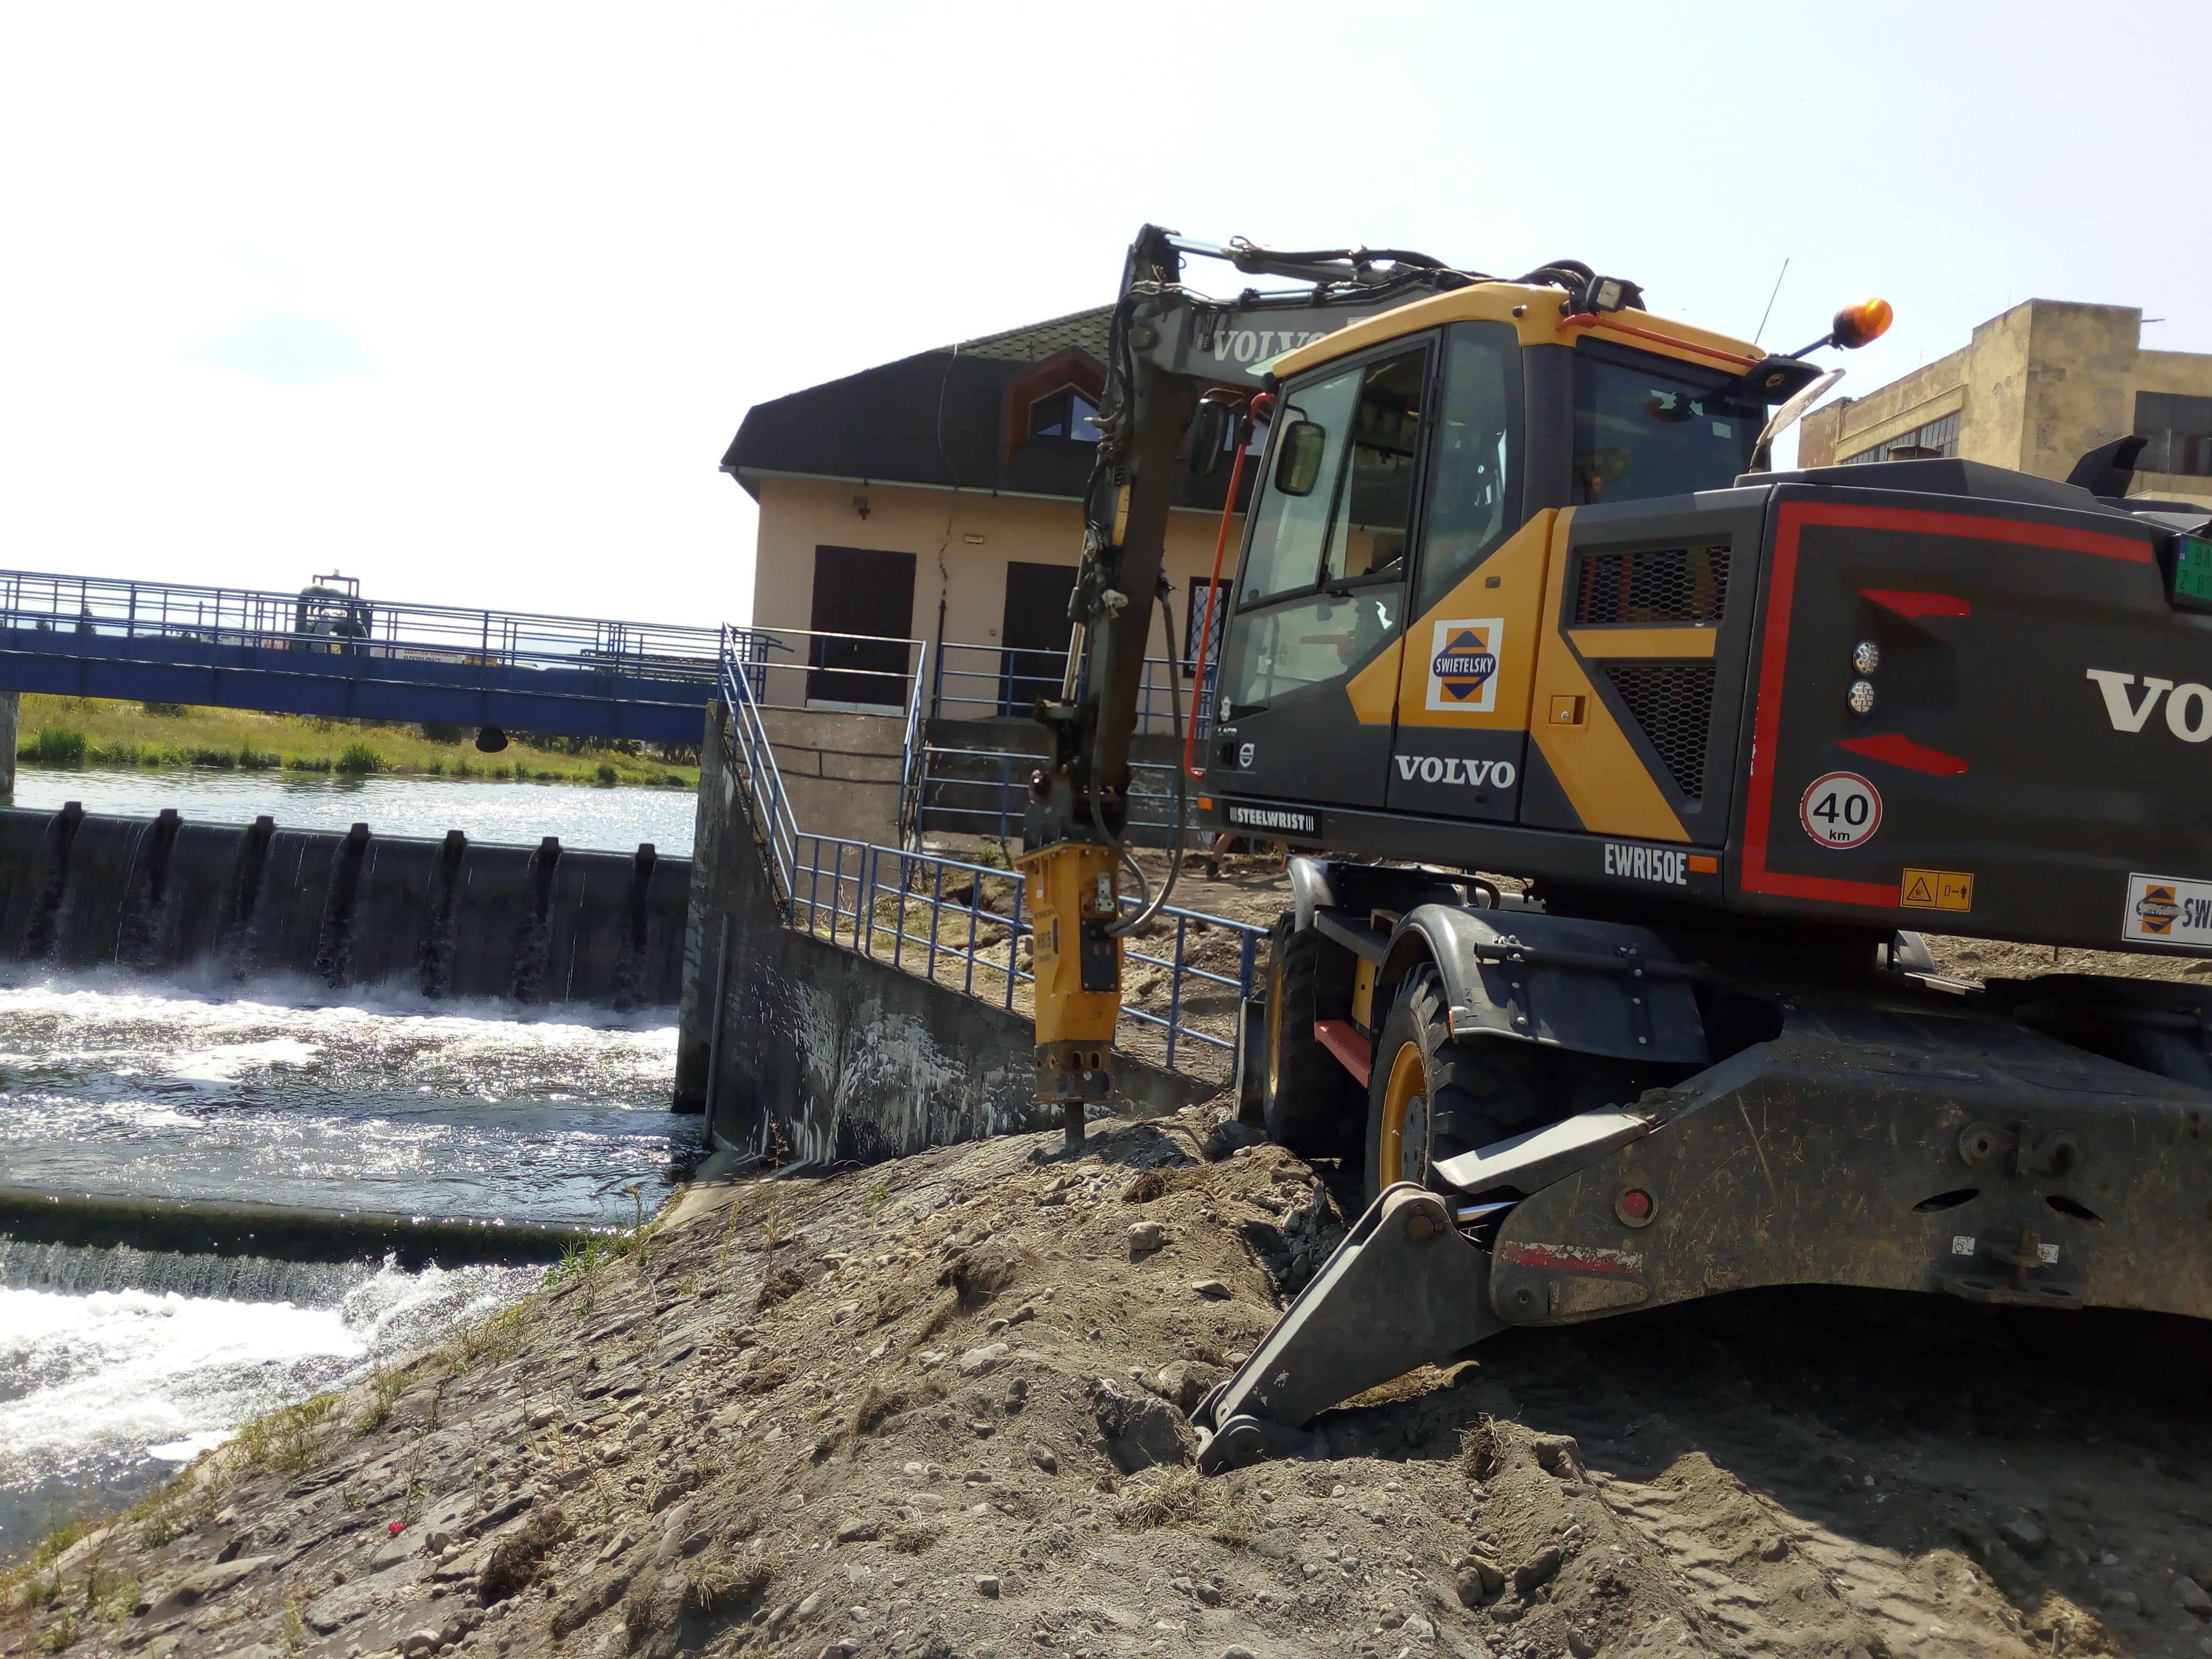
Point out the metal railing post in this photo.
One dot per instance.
(936, 910)
(1174, 989)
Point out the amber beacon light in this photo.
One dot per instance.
(1861, 323)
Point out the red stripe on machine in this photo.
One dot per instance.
(1906, 603)
(1901, 750)
(1774, 645)
(1341, 1038)
(1572, 1259)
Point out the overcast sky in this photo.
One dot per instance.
(468, 300)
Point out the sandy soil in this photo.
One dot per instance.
(935, 1408)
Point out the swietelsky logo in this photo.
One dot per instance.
(1463, 665)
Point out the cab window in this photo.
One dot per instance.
(1336, 497)
(1375, 501)
(1289, 531)
(1643, 430)
(1305, 643)
(1474, 488)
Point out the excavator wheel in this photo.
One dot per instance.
(1431, 1097)
(1308, 1099)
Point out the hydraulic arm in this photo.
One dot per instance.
(1168, 347)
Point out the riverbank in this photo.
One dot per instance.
(937, 1409)
(72, 732)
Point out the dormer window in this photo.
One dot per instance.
(1066, 413)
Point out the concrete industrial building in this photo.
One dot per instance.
(938, 498)
(2036, 388)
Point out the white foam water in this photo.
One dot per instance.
(104, 1387)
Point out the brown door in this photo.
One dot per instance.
(866, 591)
(1033, 635)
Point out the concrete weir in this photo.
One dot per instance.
(809, 1052)
(401, 913)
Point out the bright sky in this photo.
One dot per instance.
(467, 301)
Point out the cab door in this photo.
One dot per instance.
(1310, 674)
(1463, 689)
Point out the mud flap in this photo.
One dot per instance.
(1402, 1289)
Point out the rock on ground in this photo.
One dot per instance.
(956, 1428)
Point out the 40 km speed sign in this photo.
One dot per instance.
(1840, 810)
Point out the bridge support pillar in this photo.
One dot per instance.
(10, 707)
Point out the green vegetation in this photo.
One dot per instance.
(286, 1440)
(385, 1384)
(81, 732)
(359, 759)
(55, 746)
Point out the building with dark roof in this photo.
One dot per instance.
(938, 499)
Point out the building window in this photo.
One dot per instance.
(1066, 413)
(2181, 433)
(1937, 440)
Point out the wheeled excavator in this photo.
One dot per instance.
(1622, 773)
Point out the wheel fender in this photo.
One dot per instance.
(1312, 885)
(1562, 981)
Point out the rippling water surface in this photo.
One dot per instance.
(613, 820)
(118, 1089)
(105, 1391)
(115, 1364)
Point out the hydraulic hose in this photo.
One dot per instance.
(1212, 596)
(1152, 907)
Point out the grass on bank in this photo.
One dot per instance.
(70, 733)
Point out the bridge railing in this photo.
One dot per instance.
(986, 792)
(966, 925)
(112, 607)
(812, 668)
(767, 802)
(983, 682)
(963, 924)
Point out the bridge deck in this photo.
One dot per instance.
(340, 657)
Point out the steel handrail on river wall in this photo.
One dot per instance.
(846, 1000)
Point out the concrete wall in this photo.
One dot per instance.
(805, 1049)
(842, 771)
(2036, 389)
(798, 515)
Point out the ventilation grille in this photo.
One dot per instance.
(1674, 704)
(1664, 585)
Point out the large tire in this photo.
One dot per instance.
(1429, 1097)
(1309, 1103)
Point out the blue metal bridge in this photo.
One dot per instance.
(327, 653)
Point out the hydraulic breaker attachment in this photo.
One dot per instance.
(1403, 1289)
(1074, 897)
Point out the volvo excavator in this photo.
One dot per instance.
(1621, 771)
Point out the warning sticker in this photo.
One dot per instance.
(2166, 910)
(1935, 890)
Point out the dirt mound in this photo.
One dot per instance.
(938, 1407)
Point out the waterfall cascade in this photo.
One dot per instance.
(438, 918)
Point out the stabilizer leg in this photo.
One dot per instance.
(1403, 1289)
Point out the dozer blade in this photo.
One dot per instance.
(1402, 1289)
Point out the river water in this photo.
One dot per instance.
(611, 820)
(116, 1365)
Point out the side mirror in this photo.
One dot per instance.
(1298, 456)
(1209, 429)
